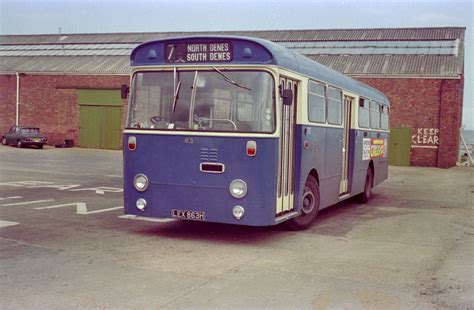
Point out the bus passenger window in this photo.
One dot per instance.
(384, 118)
(316, 102)
(363, 113)
(334, 106)
(374, 115)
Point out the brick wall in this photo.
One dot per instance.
(7, 101)
(450, 122)
(429, 105)
(50, 102)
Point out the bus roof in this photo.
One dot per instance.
(218, 50)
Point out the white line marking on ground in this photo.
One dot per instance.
(113, 176)
(147, 219)
(26, 183)
(98, 211)
(60, 206)
(81, 208)
(100, 190)
(11, 197)
(25, 203)
(7, 223)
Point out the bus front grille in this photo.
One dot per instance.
(209, 155)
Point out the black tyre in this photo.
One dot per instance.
(364, 197)
(4, 141)
(19, 144)
(309, 206)
(40, 146)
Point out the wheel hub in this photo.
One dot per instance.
(308, 201)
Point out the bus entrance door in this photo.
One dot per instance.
(286, 162)
(346, 123)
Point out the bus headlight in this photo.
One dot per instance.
(238, 212)
(238, 188)
(141, 204)
(140, 182)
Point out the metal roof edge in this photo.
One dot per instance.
(227, 31)
(403, 76)
(62, 73)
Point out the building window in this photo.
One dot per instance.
(317, 102)
(363, 113)
(334, 106)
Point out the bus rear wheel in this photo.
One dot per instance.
(309, 206)
(364, 197)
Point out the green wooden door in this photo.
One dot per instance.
(110, 128)
(99, 127)
(399, 146)
(100, 119)
(90, 126)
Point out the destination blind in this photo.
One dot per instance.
(199, 52)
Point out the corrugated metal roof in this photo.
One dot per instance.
(417, 65)
(399, 51)
(66, 49)
(439, 33)
(431, 47)
(60, 64)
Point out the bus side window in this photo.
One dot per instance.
(317, 102)
(384, 117)
(374, 115)
(363, 113)
(334, 106)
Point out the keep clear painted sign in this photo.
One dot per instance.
(199, 52)
(374, 148)
(425, 137)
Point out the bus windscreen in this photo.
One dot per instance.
(212, 100)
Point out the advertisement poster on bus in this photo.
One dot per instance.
(374, 148)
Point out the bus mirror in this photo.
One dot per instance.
(124, 90)
(287, 95)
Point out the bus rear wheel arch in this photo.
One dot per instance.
(309, 206)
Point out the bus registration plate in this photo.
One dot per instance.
(188, 215)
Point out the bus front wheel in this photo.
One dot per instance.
(309, 206)
(367, 193)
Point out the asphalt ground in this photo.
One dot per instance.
(64, 243)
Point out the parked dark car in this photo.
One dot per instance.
(24, 136)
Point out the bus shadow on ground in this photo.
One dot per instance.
(337, 220)
(214, 232)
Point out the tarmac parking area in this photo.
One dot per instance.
(64, 242)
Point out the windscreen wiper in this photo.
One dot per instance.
(229, 80)
(176, 96)
(176, 91)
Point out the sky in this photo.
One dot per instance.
(102, 16)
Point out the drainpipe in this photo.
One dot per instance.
(17, 98)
